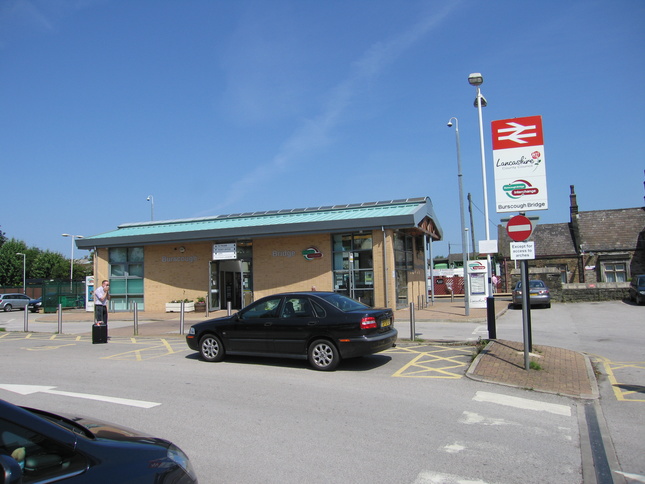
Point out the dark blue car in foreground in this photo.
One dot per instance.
(42, 447)
(322, 327)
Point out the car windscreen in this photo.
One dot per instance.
(343, 302)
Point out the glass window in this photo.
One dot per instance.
(41, 458)
(262, 309)
(353, 265)
(126, 278)
(615, 271)
(297, 307)
(403, 254)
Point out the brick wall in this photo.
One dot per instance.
(278, 264)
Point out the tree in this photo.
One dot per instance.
(11, 265)
(50, 265)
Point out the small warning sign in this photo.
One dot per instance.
(522, 250)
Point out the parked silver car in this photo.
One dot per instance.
(538, 294)
(14, 301)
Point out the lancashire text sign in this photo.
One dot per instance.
(519, 164)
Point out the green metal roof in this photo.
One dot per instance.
(408, 213)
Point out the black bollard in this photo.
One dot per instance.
(490, 313)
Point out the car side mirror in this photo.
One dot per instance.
(10, 469)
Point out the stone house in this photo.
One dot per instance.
(594, 250)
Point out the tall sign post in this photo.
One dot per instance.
(519, 229)
(520, 185)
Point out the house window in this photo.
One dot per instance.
(126, 278)
(614, 271)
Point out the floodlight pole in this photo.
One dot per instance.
(464, 237)
(71, 261)
(476, 80)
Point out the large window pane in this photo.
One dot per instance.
(118, 255)
(135, 254)
(126, 277)
(135, 286)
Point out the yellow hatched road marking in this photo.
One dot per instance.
(623, 390)
(445, 362)
(149, 352)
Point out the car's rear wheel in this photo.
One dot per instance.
(211, 348)
(7, 308)
(323, 355)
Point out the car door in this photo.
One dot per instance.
(252, 332)
(22, 301)
(295, 326)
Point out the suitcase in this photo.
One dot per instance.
(99, 333)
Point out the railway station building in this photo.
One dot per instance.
(376, 252)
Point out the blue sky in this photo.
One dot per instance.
(218, 107)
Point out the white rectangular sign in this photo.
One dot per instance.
(522, 250)
(519, 165)
(224, 251)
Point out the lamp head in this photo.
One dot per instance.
(149, 198)
(450, 124)
(476, 79)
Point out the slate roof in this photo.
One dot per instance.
(397, 214)
(551, 240)
(612, 230)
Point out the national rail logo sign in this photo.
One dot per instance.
(519, 166)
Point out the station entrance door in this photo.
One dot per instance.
(230, 281)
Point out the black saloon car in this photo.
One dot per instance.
(323, 327)
(38, 446)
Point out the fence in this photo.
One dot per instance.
(53, 293)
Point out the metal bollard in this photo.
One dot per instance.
(60, 319)
(412, 323)
(181, 318)
(228, 308)
(136, 318)
(26, 318)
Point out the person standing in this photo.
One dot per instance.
(101, 298)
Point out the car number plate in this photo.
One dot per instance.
(386, 322)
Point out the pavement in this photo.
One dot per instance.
(553, 370)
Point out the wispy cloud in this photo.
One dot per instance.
(315, 133)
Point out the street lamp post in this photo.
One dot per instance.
(151, 199)
(24, 272)
(464, 239)
(71, 262)
(476, 79)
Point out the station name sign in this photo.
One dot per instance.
(519, 164)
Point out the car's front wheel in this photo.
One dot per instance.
(323, 355)
(211, 348)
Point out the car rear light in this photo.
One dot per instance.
(368, 323)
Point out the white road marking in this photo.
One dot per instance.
(427, 477)
(453, 448)
(523, 403)
(470, 418)
(29, 389)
